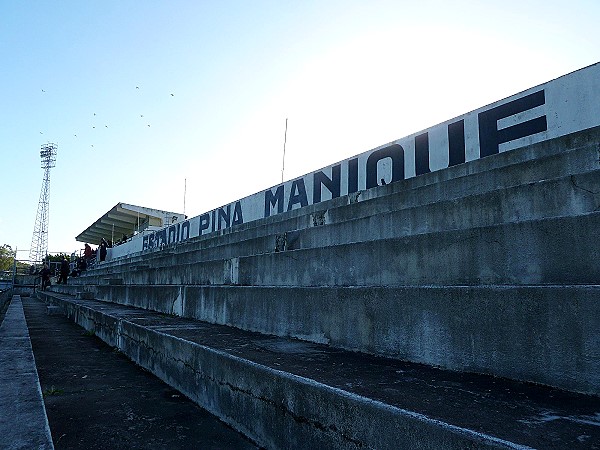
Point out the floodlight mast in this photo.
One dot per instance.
(39, 240)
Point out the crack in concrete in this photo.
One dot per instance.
(594, 193)
(574, 183)
(280, 407)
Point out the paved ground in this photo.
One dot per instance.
(96, 398)
(23, 423)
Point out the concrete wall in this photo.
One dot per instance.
(546, 335)
(553, 178)
(559, 250)
(288, 411)
(490, 267)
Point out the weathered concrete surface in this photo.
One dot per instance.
(491, 224)
(559, 250)
(23, 422)
(289, 394)
(96, 398)
(542, 334)
(549, 251)
(488, 266)
(5, 297)
(570, 158)
(386, 218)
(556, 198)
(546, 335)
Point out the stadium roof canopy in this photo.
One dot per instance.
(124, 219)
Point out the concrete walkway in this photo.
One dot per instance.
(96, 398)
(23, 423)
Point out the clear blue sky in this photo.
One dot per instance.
(141, 95)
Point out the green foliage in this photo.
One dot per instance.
(22, 266)
(59, 257)
(6, 257)
(52, 391)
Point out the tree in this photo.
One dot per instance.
(7, 256)
(58, 257)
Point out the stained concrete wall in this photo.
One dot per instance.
(568, 155)
(288, 411)
(546, 335)
(487, 267)
(557, 183)
(558, 250)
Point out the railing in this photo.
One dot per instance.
(26, 273)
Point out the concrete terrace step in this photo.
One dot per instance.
(543, 334)
(507, 170)
(567, 196)
(23, 422)
(284, 393)
(558, 250)
(549, 251)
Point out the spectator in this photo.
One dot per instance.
(45, 275)
(103, 245)
(81, 265)
(87, 253)
(64, 271)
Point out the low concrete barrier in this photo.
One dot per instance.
(272, 407)
(542, 334)
(23, 423)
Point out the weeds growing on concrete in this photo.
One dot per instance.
(52, 391)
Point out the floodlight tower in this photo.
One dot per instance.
(39, 241)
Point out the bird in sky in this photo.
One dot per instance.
(137, 87)
(172, 95)
(43, 90)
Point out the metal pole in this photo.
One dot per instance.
(284, 142)
(14, 269)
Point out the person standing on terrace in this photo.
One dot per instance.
(103, 246)
(87, 253)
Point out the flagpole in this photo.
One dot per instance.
(284, 142)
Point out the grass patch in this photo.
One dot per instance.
(52, 391)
